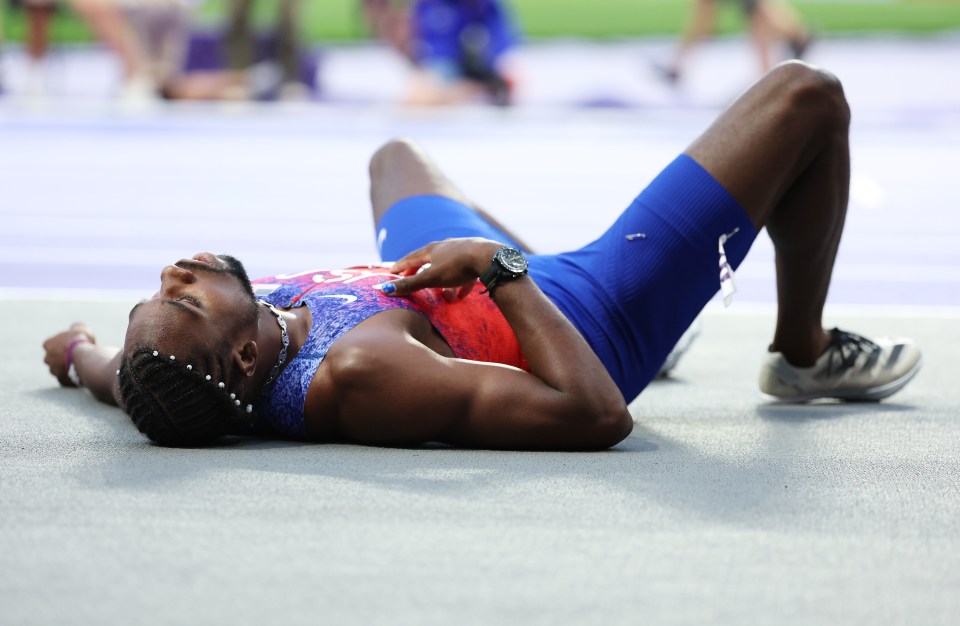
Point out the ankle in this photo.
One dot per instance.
(802, 351)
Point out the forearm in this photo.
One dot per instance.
(555, 350)
(96, 367)
(567, 401)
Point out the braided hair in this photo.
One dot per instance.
(178, 404)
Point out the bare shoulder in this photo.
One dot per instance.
(377, 345)
(362, 385)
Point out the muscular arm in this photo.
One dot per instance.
(392, 389)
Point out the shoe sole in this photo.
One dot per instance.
(874, 394)
(683, 344)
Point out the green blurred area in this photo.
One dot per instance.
(340, 20)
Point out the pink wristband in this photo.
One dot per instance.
(71, 370)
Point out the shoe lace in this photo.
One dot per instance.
(844, 349)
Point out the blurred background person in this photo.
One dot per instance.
(39, 14)
(460, 48)
(241, 44)
(148, 37)
(770, 22)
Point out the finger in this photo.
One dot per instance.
(397, 287)
(453, 294)
(466, 289)
(409, 283)
(411, 262)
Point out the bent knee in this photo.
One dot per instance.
(392, 154)
(813, 91)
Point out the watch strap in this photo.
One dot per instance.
(496, 273)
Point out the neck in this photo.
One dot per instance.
(270, 340)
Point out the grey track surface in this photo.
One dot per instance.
(719, 509)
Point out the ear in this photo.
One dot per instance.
(245, 358)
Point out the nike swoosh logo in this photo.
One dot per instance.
(348, 299)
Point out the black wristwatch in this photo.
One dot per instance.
(507, 264)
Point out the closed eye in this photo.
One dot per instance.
(191, 300)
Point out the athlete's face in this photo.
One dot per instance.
(203, 302)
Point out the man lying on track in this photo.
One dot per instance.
(470, 339)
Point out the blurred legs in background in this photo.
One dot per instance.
(774, 21)
(389, 20)
(162, 30)
(770, 22)
(784, 21)
(150, 40)
(460, 48)
(241, 48)
(39, 15)
(700, 25)
(109, 22)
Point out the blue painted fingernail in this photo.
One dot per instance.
(388, 288)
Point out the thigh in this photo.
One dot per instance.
(759, 146)
(400, 169)
(415, 221)
(637, 288)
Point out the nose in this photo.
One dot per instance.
(172, 276)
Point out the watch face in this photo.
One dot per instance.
(512, 260)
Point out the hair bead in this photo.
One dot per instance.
(152, 397)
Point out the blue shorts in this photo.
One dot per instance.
(630, 298)
(447, 31)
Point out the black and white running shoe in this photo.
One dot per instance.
(683, 344)
(853, 368)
